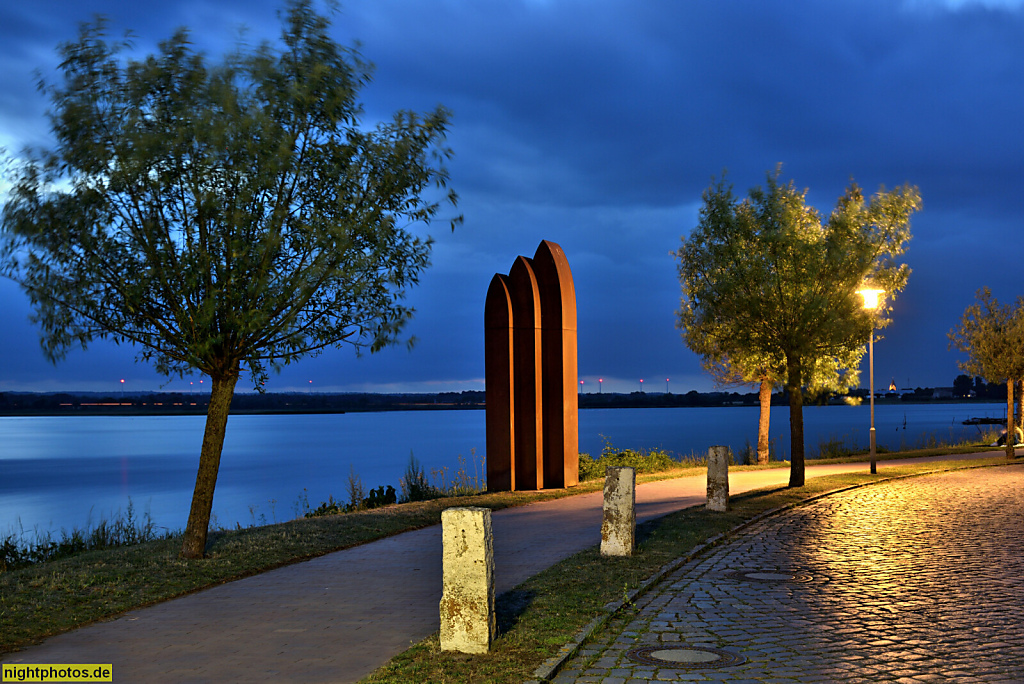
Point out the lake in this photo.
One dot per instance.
(72, 471)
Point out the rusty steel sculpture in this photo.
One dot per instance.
(530, 366)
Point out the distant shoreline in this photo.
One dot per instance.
(181, 404)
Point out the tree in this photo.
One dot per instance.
(762, 371)
(765, 280)
(223, 217)
(992, 336)
(962, 386)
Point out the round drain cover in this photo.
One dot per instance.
(770, 576)
(683, 657)
(767, 576)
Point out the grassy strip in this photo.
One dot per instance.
(53, 597)
(540, 615)
(49, 598)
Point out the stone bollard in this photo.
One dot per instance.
(618, 527)
(467, 600)
(718, 478)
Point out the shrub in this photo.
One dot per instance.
(415, 486)
(123, 530)
(643, 461)
(356, 491)
(837, 447)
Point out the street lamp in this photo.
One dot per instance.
(871, 303)
(600, 385)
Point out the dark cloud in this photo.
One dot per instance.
(597, 125)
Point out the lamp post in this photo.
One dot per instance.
(600, 385)
(871, 303)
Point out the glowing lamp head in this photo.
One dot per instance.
(872, 297)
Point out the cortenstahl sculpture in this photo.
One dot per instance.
(530, 365)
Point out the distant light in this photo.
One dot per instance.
(871, 297)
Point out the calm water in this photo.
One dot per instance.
(70, 472)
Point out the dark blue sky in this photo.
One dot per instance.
(596, 124)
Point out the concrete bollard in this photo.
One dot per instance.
(618, 527)
(467, 599)
(718, 478)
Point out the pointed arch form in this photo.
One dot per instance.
(526, 395)
(559, 366)
(499, 369)
(531, 374)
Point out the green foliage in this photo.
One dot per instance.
(356, 491)
(461, 483)
(123, 530)
(769, 288)
(414, 484)
(992, 336)
(380, 497)
(838, 447)
(329, 507)
(216, 212)
(653, 461)
(222, 217)
(377, 498)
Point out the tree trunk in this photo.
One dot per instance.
(198, 526)
(765, 395)
(1020, 405)
(796, 424)
(1010, 425)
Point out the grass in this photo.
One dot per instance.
(540, 615)
(125, 530)
(48, 598)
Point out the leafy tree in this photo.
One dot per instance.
(992, 336)
(962, 386)
(762, 371)
(223, 217)
(767, 284)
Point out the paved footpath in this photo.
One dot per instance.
(338, 617)
(917, 580)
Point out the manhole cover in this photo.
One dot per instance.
(683, 657)
(770, 576)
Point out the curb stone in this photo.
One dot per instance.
(550, 667)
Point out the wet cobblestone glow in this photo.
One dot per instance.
(919, 580)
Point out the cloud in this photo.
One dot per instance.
(597, 125)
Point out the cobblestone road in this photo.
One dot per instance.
(918, 580)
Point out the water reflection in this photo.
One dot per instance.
(66, 471)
